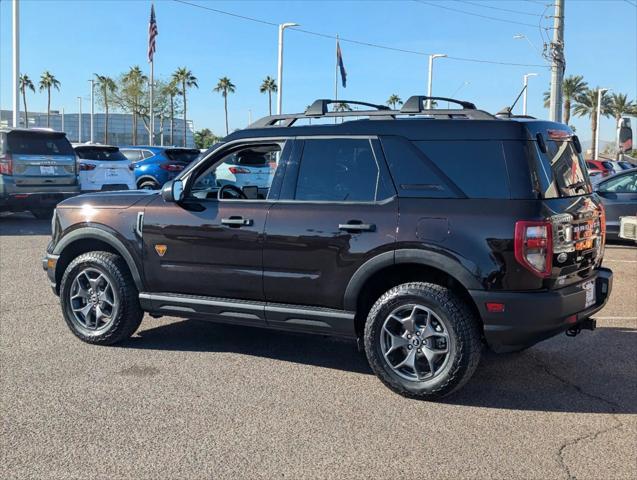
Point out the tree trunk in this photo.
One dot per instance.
(270, 101)
(172, 119)
(225, 106)
(594, 132)
(135, 121)
(183, 85)
(26, 112)
(106, 120)
(567, 110)
(48, 107)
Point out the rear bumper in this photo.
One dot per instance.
(530, 317)
(19, 202)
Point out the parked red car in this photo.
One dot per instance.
(604, 167)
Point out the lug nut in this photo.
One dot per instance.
(418, 333)
(408, 335)
(409, 347)
(419, 350)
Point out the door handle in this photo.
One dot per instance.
(357, 226)
(237, 221)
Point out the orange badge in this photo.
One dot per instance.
(161, 249)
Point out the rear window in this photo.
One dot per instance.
(36, 143)
(477, 167)
(563, 171)
(96, 153)
(184, 155)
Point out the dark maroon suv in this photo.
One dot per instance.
(424, 234)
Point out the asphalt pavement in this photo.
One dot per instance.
(187, 399)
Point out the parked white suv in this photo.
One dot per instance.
(103, 167)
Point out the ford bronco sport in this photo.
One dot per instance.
(424, 234)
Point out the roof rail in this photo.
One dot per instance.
(319, 107)
(414, 104)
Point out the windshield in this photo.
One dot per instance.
(38, 143)
(564, 170)
(97, 153)
(184, 155)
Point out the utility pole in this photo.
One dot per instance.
(600, 92)
(431, 74)
(92, 108)
(16, 64)
(558, 63)
(279, 99)
(79, 121)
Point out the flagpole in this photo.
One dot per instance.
(152, 117)
(336, 76)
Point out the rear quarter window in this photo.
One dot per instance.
(477, 167)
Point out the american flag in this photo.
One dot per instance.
(341, 66)
(152, 33)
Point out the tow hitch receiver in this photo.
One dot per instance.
(586, 324)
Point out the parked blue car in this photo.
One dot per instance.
(154, 166)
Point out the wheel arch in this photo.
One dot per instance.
(86, 239)
(389, 269)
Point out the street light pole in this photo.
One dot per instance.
(430, 78)
(79, 121)
(279, 100)
(92, 107)
(526, 89)
(600, 92)
(16, 64)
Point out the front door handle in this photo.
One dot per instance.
(237, 221)
(356, 226)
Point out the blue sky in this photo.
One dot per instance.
(74, 39)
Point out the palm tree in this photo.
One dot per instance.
(225, 86)
(269, 86)
(106, 87)
(24, 83)
(186, 79)
(47, 80)
(619, 106)
(572, 87)
(134, 81)
(586, 106)
(342, 107)
(394, 100)
(172, 90)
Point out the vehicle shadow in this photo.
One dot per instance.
(561, 375)
(19, 224)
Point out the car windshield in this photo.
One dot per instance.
(566, 169)
(100, 153)
(182, 155)
(38, 143)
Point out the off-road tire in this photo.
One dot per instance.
(463, 329)
(129, 315)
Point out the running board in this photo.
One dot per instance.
(243, 312)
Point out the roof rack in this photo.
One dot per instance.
(413, 106)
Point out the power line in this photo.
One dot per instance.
(488, 17)
(519, 12)
(351, 40)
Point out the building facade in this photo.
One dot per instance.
(120, 128)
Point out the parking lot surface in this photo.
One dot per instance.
(190, 399)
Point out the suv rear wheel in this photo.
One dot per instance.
(99, 298)
(149, 185)
(422, 341)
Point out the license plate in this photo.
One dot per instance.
(589, 288)
(112, 172)
(47, 170)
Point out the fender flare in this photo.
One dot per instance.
(87, 233)
(429, 258)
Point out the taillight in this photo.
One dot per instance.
(87, 166)
(236, 170)
(6, 164)
(131, 166)
(171, 167)
(534, 246)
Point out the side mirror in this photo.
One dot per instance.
(173, 191)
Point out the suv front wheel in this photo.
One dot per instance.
(99, 298)
(422, 340)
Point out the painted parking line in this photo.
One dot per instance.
(614, 318)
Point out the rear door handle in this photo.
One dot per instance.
(356, 226)
(237, 221)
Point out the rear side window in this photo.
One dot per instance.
(185, 156)
(477, 167)
(96, 153)
(338, 170)
(32, 143)
(414, 175)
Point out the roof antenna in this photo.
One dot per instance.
(507, 111)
